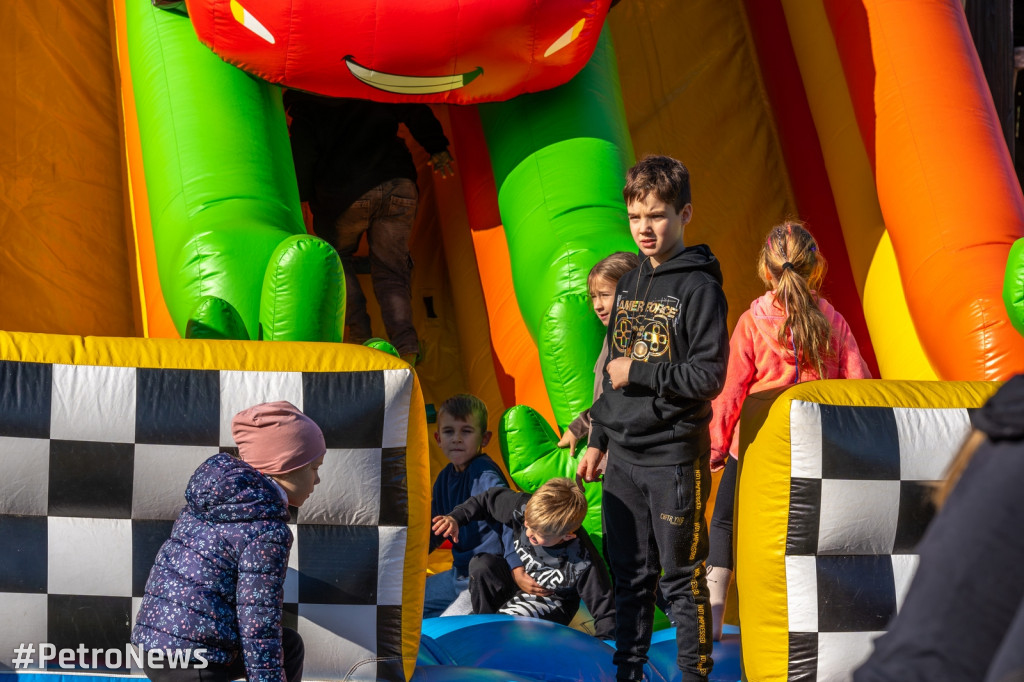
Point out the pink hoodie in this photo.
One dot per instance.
(757, 362)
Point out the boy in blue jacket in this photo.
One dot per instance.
(462, 434)
(216, 589)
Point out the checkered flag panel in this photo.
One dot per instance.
(96, 460)
(859, 504)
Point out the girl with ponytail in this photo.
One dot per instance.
(789, 335)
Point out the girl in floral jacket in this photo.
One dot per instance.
(216, 589)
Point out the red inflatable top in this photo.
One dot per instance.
(453, 51)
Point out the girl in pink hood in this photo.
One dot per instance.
(789, 335)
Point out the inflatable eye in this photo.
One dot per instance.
(243, 17)
(566, 38)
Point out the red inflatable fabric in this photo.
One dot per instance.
(452, 51)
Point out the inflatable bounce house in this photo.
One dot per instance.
(153, 245)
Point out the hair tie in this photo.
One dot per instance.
(788, 266)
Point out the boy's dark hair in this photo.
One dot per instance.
(463, 406)
(667, 178)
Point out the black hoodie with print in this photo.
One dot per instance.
(671, 320)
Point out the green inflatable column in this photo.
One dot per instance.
(559, 160)
(532, 455)
(219, 174)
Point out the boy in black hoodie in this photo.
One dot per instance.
(668, 352)
(559, 562)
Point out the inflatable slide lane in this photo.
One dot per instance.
(910, 153)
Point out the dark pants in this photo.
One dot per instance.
(491, 586)
(294, 653)
(962, 616)
(654, 523)
(720, 553)
(386, 214)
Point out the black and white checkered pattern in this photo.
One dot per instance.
(95, 461)
(858, 506)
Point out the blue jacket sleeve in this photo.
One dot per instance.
(259, 597)
(493, 479)
(508, 542)
(486, 481)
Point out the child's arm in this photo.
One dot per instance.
(595, 589)
(424, 126)
(701, 374)
(259, 598)
(725, 409)
(579, 428)
(496, 503)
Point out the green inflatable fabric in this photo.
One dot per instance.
(221, 187)
(559, 159)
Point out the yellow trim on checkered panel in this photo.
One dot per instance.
(253, 356)
(762, 497)
(417, 465)
(268, 357)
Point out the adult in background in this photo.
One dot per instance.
(358, 176)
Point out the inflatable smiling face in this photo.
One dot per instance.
(453, 51)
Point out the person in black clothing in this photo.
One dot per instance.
(558, 557)
(668, 352)
(358, 176)
(963, 618)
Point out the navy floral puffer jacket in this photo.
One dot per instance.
(218, 582)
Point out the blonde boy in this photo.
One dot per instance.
(559, 562)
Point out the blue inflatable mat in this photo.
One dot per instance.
(493, 647)
(528, 648)
(662, 656)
